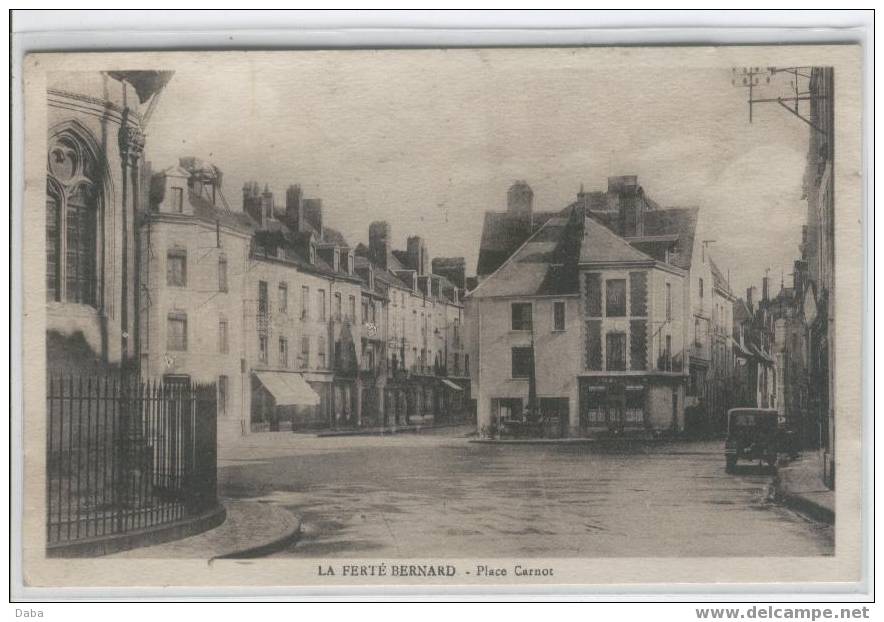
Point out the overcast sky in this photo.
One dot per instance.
(430, 141)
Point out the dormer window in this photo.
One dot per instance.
(312, 254)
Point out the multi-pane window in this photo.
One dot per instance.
(615, 350)
(521, 316)
(615, 297)
(558, 315)
(222, 274)
(223, 340)
(72, 206)
(176, 332)
(305, 352)
(283, 352)
(593, 295)
(176, 268)
(262, 348)
(321, 305)
(521, 362)
(283, 297)
(321, 352)
(305, 302)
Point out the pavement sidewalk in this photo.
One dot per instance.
(251, 529)
(800, 485)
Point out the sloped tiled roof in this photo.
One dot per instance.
(502, 234)
(718, 279)
(601, 245)
(679, 221)
(205, 210)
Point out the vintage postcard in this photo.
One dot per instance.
(443, 317)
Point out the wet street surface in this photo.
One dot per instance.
(437, 495)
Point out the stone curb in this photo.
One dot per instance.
(802, 504)
(389, 431)
(291, 536)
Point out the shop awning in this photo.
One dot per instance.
(451, 385)
(288, 389)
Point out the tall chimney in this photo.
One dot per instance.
(764, 288)
(379, 249)
(520, 199)
(294, 207)
(750, 298)
(417, 254)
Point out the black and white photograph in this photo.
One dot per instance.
(442, 315)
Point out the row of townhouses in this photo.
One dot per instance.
(608, 315)
(299, 329)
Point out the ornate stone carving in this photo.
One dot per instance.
(131, 141)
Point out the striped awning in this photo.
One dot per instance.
(288, 389)
(451, 385)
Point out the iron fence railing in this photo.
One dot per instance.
(127, 455)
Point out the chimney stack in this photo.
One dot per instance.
(416, 252)
(750, 297)
(294, 207)
(764, 288)
(379, 249)
(520, 199)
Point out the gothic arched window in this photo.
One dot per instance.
(73, 196)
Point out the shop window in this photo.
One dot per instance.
(592, 406)
(634, 414)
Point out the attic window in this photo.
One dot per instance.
(312, 257)
(177, 200)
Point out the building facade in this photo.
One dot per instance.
(298, 330)
(95, 192)
(698, 323)
(580, 331)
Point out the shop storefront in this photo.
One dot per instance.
(282, 401)
(613, 403)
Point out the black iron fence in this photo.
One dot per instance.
(125, 455)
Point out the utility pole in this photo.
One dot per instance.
(799, 91)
